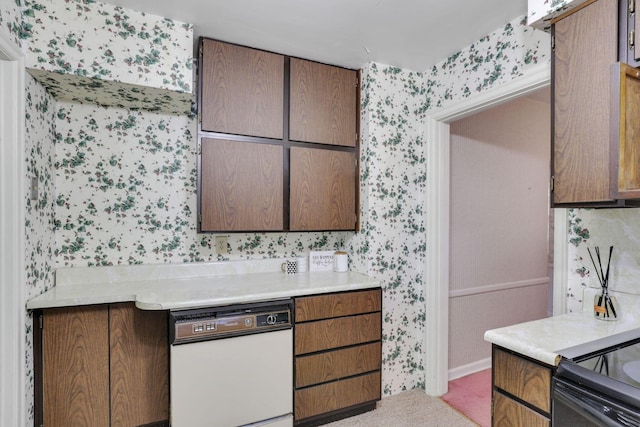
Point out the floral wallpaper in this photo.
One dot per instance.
(541, 12)
(391, 243)
(106, 93)
(493, 60)
(88, 51)
(11, 21)
(589, 228)
(40, 241)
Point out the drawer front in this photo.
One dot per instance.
(333, 365)
(336, 305)
(334, 333)
(508, 413)
(336, 395)
(523, 379)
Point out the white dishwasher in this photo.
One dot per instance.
(232, 366)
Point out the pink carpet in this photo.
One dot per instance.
(471, 395)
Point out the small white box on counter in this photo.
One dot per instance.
(321, 260)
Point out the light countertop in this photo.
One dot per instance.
(547, 340)
(191, 285)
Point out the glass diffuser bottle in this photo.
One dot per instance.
(605, 306)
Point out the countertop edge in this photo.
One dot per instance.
(202, 292)
(548, 357)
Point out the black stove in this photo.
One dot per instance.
(598, 384)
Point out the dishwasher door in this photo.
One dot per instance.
(233, 381)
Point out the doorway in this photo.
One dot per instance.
(499, 225)
(436, 337)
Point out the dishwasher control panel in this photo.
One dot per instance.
(223, 322)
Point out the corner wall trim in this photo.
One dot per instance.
(12, 229)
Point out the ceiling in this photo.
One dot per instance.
(410, 34)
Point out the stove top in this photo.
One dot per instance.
(610, 366)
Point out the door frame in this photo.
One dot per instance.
(12, 229)
(436, 338)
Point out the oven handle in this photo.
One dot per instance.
(591, 406)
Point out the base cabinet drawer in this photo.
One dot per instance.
(333, 365)
(335, 395)
(333, 333)
(509, 413)
(523, 379)
(337, 355)
(337, 305)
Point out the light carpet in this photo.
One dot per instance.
(408, 409)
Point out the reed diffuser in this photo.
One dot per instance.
(605, 306)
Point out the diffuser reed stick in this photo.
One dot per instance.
(604, 305)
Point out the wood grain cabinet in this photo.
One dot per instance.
(338, 355)
(278, 142)
(242, 90)
(103, 365)
(322, 190)
(243, 182)
(596, 134)
(323, 103)
(521, 391)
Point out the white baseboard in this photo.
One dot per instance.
(469, 369)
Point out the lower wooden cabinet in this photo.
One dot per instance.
(508, 412)
(521, 391)
(102, 365)
(338, 355)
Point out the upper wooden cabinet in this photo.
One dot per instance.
(595, 101)
(242, 90)
(626, 106)
(323, 103)
(243, 185)
(278, 142)
(322, 190)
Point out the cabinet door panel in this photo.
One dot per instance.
(323, 103)
(336, 395)
(139, 365)
(626, 106)
(339, 304)
(338, 332)
(242, 90)
(322, 189)
(523, 379)
(242, 186)
(75, 346)
(509, 413)
(332, 365)
(586, 45)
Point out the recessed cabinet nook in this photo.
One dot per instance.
(596, 106)
(278, 142)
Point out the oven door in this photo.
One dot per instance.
(583, 398)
